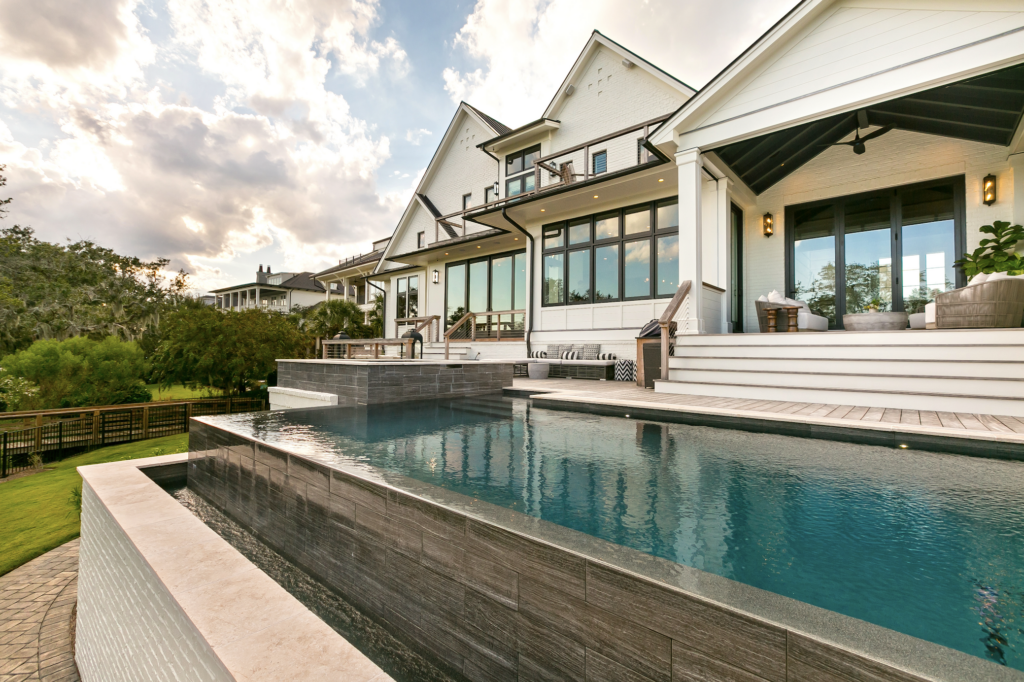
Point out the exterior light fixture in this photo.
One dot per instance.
(542, 210)
(768, 225)
(436, 277)
(988, 190)
(661, 179)
(595, 196)
(495, 189)
(478, 247)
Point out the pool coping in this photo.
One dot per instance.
(987, 444)
(863, 647)
(261, 633)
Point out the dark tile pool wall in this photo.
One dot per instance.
(488, 602)
(389, 383)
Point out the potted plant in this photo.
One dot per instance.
(995, 254)
(873, 306)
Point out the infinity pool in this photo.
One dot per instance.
(927, 544)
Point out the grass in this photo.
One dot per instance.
(37, 512)
(179, 392)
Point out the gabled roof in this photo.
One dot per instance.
(418, 196)
(597, 40)
(353, 262)
(303, 281)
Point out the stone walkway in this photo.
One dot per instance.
(36, 604)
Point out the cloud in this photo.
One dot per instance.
(416, 136)
(278, 161)
(546, 37)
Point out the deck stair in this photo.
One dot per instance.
(434, 350)
(975, 371)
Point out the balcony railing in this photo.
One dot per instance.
(559, 169)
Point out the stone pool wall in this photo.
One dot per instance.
(497, 595)
(376, 382)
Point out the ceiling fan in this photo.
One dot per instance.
(858, 142)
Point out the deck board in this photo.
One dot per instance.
(994, 426)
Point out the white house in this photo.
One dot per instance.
(348, 279)
(280, 292)
(631, 183)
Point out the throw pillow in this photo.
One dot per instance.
(980, 278)
(996, 276)
(590, 351)
(762, 298)
(569, 355)
(539, 354)
(606, 356)
(554, 351)
(776, 297)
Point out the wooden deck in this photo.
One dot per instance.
(957, 424)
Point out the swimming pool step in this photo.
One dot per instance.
(885, 366)
(896, 399)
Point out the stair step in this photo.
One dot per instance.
(1007, 369)
(937, 385)
(1004, 352)
(901, 400)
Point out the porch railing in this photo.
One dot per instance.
(665, 321)
(56, 434)
(459, 331)
(421, 323)
(564, 173)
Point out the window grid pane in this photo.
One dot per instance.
(668, 265)
(579, 276)
(554, 278)
(606, 273)
(606, 226)
(638, 222)
(638, 269)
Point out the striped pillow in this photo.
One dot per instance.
(606, 356)
(570, 355)
(539, 354)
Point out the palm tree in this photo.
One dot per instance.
(376, 317)
(326, 319)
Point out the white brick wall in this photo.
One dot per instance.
(898, 158)
(462, 169)
(126, 617)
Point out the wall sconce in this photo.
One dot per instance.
(436, 277)
(768, 225)
(988, 190)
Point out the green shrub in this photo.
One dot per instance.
(79, 372)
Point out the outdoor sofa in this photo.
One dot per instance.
(806, 321)
(576, 361)
(989, 301)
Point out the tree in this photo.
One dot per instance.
(78, 372)
(326, 319)
(230, 351)
(376, 317)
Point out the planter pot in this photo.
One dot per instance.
(874, 322)
(917, 321)
(538, 370)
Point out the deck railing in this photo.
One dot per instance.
(564, 172)
(56, 434)
(421, 323)
(513, 328)
(665, 321)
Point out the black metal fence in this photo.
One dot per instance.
(60, 434)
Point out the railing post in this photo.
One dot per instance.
(145, 423)
(447, 340)
(229, 404)
(664, 351)
(499, 327)
(60, 439)
(96, 427)
(586, 163)
(472, 321)
(188, 417)
(39, 434)
(3, 458)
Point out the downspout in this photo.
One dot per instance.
(533, 255)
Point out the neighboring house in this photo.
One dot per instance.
(645, 184)
(280, 292)
(348, 279)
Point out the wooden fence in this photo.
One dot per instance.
(56, 434)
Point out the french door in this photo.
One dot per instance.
(495, 283)
(893, 249)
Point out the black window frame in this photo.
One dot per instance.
(651, 237)
(421, 240)
(958, 184)
(489, 260)
(489, 194)
(518, 177)
(402, 314)
(593, 162)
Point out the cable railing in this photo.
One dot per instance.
(512, 328)
(57, 434)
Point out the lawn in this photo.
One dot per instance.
(179, 392)
(36, 512)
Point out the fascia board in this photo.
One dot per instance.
(752, 58)
(943, 69)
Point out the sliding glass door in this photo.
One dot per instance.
(893, 249)
(492, 283)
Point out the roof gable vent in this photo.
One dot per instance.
(569, 90)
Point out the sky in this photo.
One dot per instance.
(228, 134)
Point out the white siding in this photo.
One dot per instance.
(850, 41)
(899, 158)
(462, 168)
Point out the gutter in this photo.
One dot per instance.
(529, 312)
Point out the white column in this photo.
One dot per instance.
(724, 232)
(1017, 164)
(688, 164)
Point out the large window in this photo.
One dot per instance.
(520, 163)
(893, 249)
(492, 283)
(407, 297)
(626, 254)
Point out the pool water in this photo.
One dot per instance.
(927, 544)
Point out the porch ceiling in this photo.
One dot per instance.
(985, 109)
